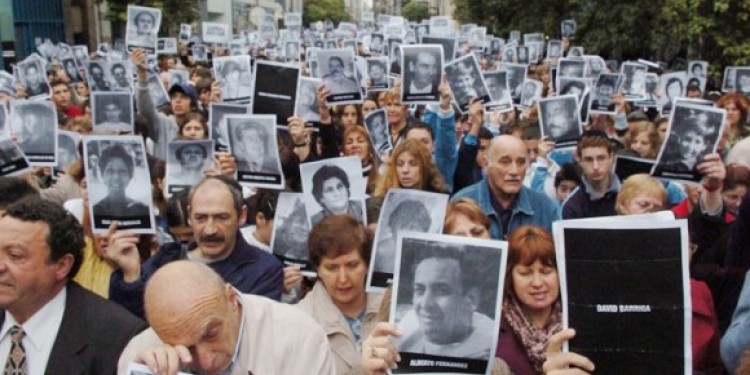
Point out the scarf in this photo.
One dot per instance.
(534, 340)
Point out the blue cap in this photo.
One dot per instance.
(185, 89)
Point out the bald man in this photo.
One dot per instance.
(501, 193)
(199, 323)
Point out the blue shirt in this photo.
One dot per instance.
(529, 208)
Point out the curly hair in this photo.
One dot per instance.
(430, 179)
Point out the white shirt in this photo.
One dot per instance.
(414, 90)
(41, 331)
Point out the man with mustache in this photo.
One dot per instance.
(501, 193)
(216, 212)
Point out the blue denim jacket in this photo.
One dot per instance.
(443, 125)
(737, 339)
(530, 208)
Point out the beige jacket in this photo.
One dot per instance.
(346, 352)
(277, 339)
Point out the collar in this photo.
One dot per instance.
(614, 187)
(520, 204)
(329, 316)
(43, 326)
(239, 334)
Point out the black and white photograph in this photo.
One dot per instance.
(334, 187)
(217, 122)
(652, 92)
(200, 52)
(573, 85)
(290, 232)
(12, 159)
(377, 73)
(466, 81)
(275, 90)
(97, 75)
(35, 125)
(568, 29)
(252, 141)
(496, 46)
(694, 131)
(142, 28)
(514, 36)
(186, 31)
(441, 25)
(535, 52)
(81, 54)
(337, 69)
(112, 112)
(377, 42)
(697, 69)
(214, 32)
(672, 86)
(727, 84)
(156, 90)
(167, 46)
(178, 77)
(116, 172)
(447, 42)
(607, 85)
(394, 56)
(554, 49)
(139, 369)
(72, 70)
(559, 119)
(404, 210)
(121, 77)
(522, 54)
(376, 123)
(292, 50)
(742, 80)
(509, 53)
(235, 78)
(575, 52)
(32, 75)
(446, 301)
(6, 79)
(187, 163)
(292, 19)
(532, 91)
(634, 76)
(306, 106)
(477, 38)
(67, 149)
(420, 31)
(516, 74)
(625, 289)
(422, 67)
(568, 67)
(497, 83)
(626, 166)
(594, 66)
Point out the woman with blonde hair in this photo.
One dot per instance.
(644, 140)
(410, 167)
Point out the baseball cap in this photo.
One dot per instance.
(185, 89)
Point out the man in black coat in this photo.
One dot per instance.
(49, 323)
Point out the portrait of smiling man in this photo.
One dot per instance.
(446, 295)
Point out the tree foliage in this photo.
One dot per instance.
(414, 11)
(173, 13)
(672, 31)
(321, 10)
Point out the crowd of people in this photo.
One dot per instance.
(205, 292)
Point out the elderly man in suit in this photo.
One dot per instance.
(50, 324)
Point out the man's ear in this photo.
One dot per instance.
(472, 298)
(260, 220)
(243, 214)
